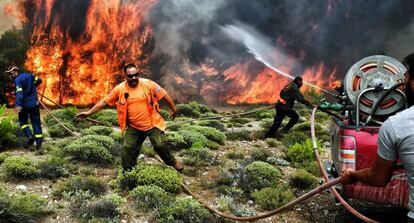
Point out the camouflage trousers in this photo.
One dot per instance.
(132, 143)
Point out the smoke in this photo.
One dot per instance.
(9, 15)
(336, 33)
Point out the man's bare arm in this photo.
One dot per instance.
(172, 106)
(97, 107)
(378, 175)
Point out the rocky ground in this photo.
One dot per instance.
(321, 208)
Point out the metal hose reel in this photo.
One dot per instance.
(369, 79)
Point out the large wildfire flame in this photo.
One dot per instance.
(266, 84)
(82, 69)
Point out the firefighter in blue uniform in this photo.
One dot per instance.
(284, 107)
(27, 105)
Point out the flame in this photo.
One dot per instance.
(82, 70)
(8, 9)
(264, 85)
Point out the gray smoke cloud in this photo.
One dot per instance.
(336, 33)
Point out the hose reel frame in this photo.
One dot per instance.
(368, 80)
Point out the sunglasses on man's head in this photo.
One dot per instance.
(132, 75)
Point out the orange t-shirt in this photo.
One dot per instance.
(139, 114)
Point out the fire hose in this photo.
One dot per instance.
(328, 184)
(325, 176)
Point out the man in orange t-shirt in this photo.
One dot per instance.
(136, 100)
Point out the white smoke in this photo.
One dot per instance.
(261, 48)
(9, 20)
(174, 34)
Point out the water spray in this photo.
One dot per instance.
(262, 50)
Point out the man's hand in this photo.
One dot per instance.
(82, 115)
(348, 176)
(173, 114)
(18, 109)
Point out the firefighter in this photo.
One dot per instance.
(27, 105)
(137, 100)
(395, 142)
(284, 107)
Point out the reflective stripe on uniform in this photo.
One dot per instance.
(35, 80)
(19, 89)
(25, 126)
(39, 136)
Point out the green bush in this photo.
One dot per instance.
(149, 175)
(302, 179)
(65, 115)
(52, 167)
(187, 111)
(58, 131)
(313, 168)
(234, 154)
(258, 175)
(239, 120)
(193, 137)
(198, 156)
(201, 107)
(294, 137)
(165, 114)
(22, 207)
(272, 198)
(105, 208)
(214, 124)
(321, 117)
(301, 153)
(213, 145)
(264, 114)
(77, 183)
(260, 154)
(173, 140)
(29, 204)
(150, 197)
(193, 109)
(107, 116)
(209, 132)
(117, 136)
(92, 149)
(224, 178)
(184, 210)
(273, 142)
(239, 135)
(148, 151)
(98, 130)
(17, 167)
(3, 157)
(86, 207)
(266, 123)
(8, 128)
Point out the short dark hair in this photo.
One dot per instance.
(129, 66)
(297, 79)
(408, 62)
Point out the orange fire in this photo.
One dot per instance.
(83, 70)
(264, 85)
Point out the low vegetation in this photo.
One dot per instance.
(226, 161)
(147, 175)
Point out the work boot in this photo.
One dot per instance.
(178, 166)
(278, 135)
(30, 141)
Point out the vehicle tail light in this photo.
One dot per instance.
(347, 152)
